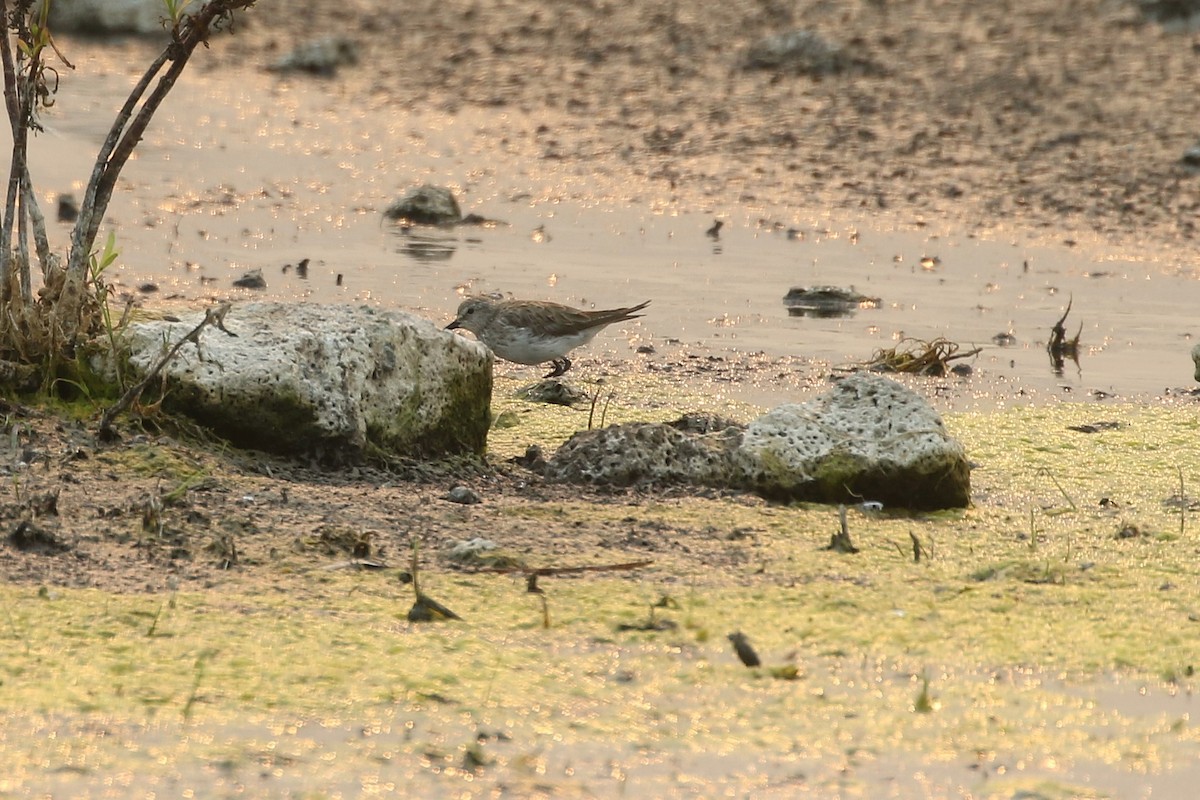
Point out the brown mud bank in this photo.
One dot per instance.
(192, 617)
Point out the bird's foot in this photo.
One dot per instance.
(561, 365)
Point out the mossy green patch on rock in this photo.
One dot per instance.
(255, 422)
(462, 428)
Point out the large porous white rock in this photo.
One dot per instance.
(99, 17)
(867, 438)
(336, 382)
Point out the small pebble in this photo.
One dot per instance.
(68, 208)
(464, 495)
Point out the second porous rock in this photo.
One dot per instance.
(868, 438)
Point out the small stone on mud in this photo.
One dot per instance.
(1129, 532)
(506, 419)
(806, 52)
(553, 392)
(482, 553)
(468, 550)
(29, 537)
(744, 650)
(533, 460)
(463, 495)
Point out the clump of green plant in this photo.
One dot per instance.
(70, 308)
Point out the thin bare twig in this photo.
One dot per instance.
(213, 316)
(533, 573)
(13, 107)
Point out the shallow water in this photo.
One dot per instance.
(243, 170)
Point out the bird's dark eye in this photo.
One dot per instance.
(470, 311)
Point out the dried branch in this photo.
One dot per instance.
(12, 106)
(551, 571)
(213, 316)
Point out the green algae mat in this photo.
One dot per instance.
(1039, 644)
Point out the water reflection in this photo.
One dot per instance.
(425, 247)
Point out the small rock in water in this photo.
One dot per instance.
(251, 280)
(826, 301)
(68, 208)
(1004, 339)
(426, 205)
(319, 57)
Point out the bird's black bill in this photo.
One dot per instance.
(451, 326)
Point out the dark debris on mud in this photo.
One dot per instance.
(152, 512)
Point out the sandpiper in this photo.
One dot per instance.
(535, 331)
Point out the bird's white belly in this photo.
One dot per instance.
(524, 349)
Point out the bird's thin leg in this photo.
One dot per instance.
(561, 365)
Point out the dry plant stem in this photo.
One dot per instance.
(1183, 505)
(21, 203)
(214, 317)
(533, 572)
(13, 107)
(595, 398)
(40, 240)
